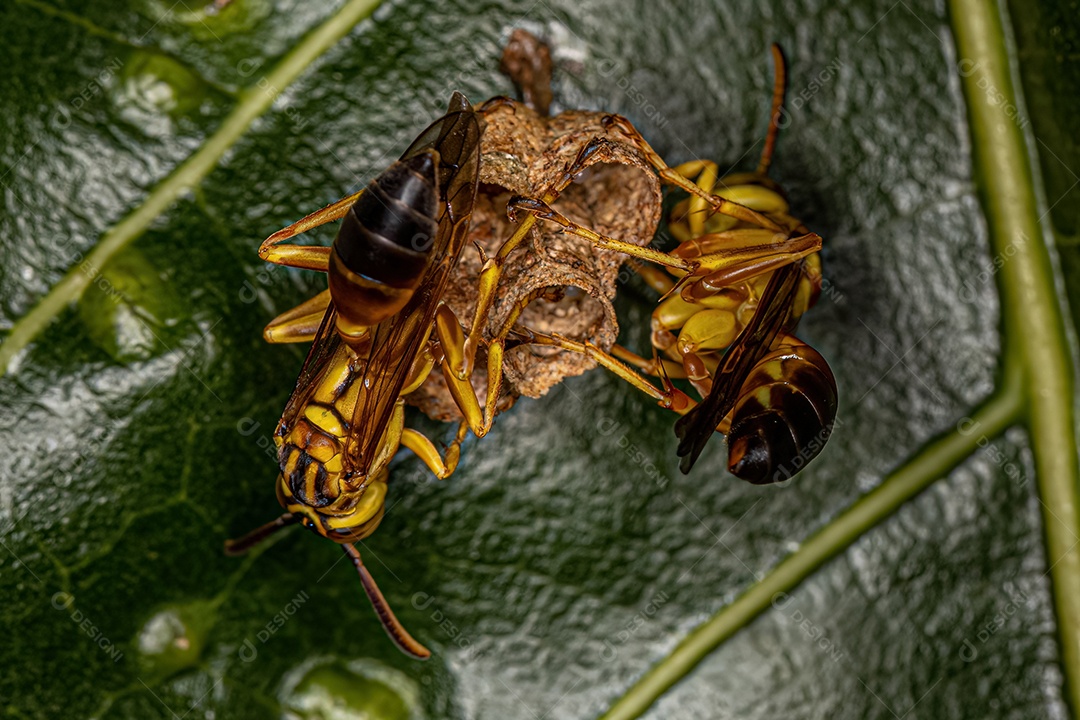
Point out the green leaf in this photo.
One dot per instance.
(925, 563)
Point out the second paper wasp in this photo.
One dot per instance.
(726, 325)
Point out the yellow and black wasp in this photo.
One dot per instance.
(387, 268)
(726, 325)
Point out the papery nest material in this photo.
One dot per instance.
(524, 153)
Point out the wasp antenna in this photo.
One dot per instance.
(390, 623)
(241, 545)
(779, 89)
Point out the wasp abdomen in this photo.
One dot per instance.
(783, 416)
(381, 251)
(387, 232)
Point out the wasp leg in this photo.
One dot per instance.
(457, 363)
(653, 277)
(333, 211)
(542, 210)
(457, 369)
(442, 465)
(727, 266)
(393, 436)
(421, 446)
(670, 397)
(668, 175)
(304, 256)
(299, 324)
(706, 180)
(649, 367)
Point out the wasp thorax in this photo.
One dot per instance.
(381, 251)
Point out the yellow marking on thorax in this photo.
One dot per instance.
(324, 419)
(330, 387)
(334, 465)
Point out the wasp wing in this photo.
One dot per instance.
(398, 340)
(326, 351)
(774, 312)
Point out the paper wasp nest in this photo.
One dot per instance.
(524, 153)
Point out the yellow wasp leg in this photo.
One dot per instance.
(496, 351)
(746, 264)
(727, 267)
(458, 375)
(299, 324)
(692, 168)
(489, 282)
(542, 210)
(423, 448)
(304, 256)
(671, 398)
(395, 428)
(457, 366)
(649, 367)
(669, 176)
(333, 211)
(698, 207)
(654, 278)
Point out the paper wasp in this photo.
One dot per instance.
(387, 268)
(743, 289)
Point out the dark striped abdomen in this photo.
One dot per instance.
(783, 416)
(381, 251)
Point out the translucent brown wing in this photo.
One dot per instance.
(398, 340)
(774, 312)
(327, 350)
